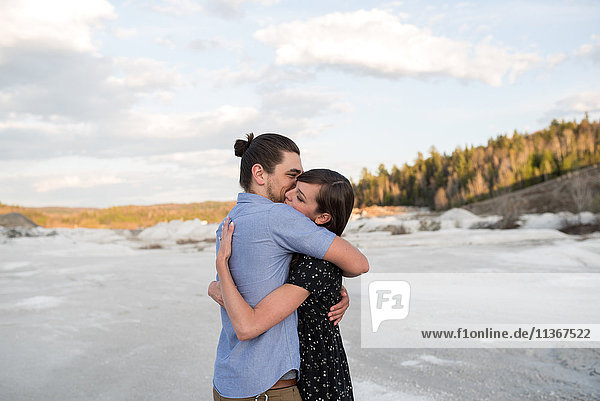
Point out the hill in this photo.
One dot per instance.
(121, 217)
(12, 220)
(575, 191)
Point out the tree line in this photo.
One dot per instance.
(470, 174)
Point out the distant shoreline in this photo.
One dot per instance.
(121, 217)
(134, 217)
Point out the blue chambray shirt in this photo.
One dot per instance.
(265, 237)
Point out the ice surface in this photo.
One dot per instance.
(87, 314)
(35, 303)
(371, 391)
(14, 265)
(432, 359)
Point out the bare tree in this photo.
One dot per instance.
(509, 209)
(581, 193)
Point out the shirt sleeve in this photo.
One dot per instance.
(295, 232)
(218, 243)
(217, 235)
(314, 275)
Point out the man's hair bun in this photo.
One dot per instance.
(241, 145)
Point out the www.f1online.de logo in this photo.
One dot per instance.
(388, 300)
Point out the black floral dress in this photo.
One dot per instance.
(324, 373)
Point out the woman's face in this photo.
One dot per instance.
(303, 198)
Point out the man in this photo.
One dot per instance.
(267, 234)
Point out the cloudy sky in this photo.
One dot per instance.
(139, 102)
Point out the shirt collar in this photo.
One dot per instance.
(246, 197)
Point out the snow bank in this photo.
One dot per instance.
(161, 235)
(419, 221)
(414, 222)
(556, 220)
(461, 218)
(200, 235)
(458, 214)
(16, 232)
(178, 230)
(95, 235)
(386, 223)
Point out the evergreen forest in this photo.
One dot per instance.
(441, 181)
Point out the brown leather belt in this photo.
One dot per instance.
(284, 383)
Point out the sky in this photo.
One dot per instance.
(139, 102)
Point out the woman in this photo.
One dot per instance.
(326, 197)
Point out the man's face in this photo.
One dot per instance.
(283, 177)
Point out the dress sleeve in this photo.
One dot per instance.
(314, 275)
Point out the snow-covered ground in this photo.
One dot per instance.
(113, 314)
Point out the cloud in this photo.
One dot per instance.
(92, 181)
(177, 7)
(299, 112)
(589, 101)
(81, 128)
(574, 106)
(144, 74)
(80, 86)
(51, 126)
(166, 41)
(196, 159)
(73, 181)
(220, 8)
(378, 43)
(554, 59)
(56, 103)
(52, 25)
(49, 65)
(59, 97)
(58, 83)
(130, 133)
(304, 103)
(269, 75)
(233, 8)
(590, 50)
(208, 125)
(291, 111)
(125, 33)
(217, 42)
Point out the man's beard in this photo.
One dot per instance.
(277, 198)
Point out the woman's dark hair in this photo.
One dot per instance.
(266, 150)
(335, 197)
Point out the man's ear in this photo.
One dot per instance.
(258, 173)
(323, 218)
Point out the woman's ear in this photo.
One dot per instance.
(323, 218)
(258, 174)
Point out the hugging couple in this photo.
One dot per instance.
(280, 262)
